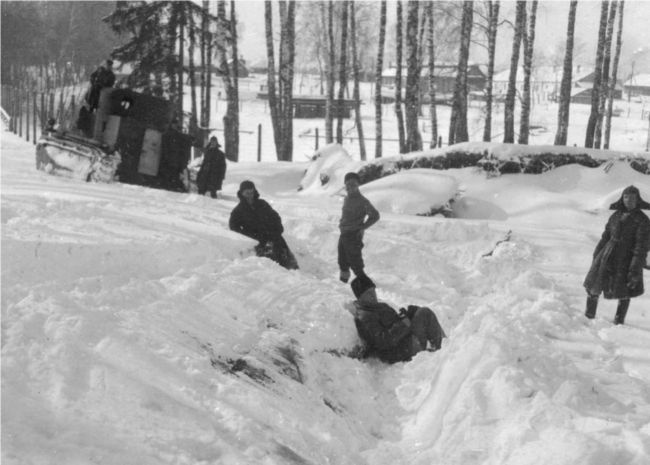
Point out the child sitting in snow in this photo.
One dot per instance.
(391, 336)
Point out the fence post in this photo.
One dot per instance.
(27, 116)
(316, 148)
(42, 110)
(440, 141)
(59, 116)
(12, 122)
(34, 115)
(259, 142)
(20, 112)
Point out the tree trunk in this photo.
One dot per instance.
(378, 82)
(287, 47)
(355, 96)
(612, 82)
(411, 97)
(493, 21)
(172, 32)
(192, 75)
(604, 83)
(342, 71)
(566, 84)
(274, 107)
(232, 142)
(529, 45)
(509, 107)
(432, 79)
(398, 79)
(203, 45)
(595, 91)
(181, 59)
(331, 61)
(458, 120)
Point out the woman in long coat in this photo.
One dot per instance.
(213, 169)
(620, 256)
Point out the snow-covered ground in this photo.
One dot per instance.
(136, 329)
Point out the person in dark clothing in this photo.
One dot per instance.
(358, 215)
(175, 156)
(389, 335)
(213, 169)
(255, 218)
(102, 77)
(620, 255)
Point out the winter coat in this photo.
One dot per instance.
(257, 220)
(212, 171)
(387, 336)
(100, 78)
(619, 257)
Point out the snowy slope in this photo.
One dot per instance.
(136, 329)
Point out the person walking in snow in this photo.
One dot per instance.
(358, 215)
(255, 218)
(389, 335)
(620, 255)
(213, 169)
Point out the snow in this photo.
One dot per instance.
(137, 329)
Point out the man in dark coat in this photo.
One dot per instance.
(358, 214)
(619, 257)
(255, 218)
(390, 336)
(102, 77)
(213, 169)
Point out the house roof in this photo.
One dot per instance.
(545, 74)
(638, 80)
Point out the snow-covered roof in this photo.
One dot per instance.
(639, 80)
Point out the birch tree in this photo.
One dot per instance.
(398, 78)
(603, 91)
(595, 91)
(565, 86)
(343, 71)
(411, 96)
(355, 93)
(509, 106)
(612, 82)
(458, 120)
(378, 82)
(432, 78)
(493, 22)
(528, 42)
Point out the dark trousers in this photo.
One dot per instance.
(425, 327)
(213, 194)
(349, 252)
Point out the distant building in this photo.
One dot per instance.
(444, 78)
(545, 83)
(637, 85)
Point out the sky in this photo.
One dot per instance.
(551, 28)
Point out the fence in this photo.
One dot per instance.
(28, 112)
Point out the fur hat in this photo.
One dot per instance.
(361, 284)
(247, 184)
(351, 175)
(619, 205)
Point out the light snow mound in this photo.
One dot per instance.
(412, 192)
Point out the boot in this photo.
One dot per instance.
(621, 311)
(592, 304)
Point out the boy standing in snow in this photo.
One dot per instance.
(357, 216)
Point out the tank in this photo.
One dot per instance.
(131, 137)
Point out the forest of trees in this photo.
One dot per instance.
(169, 44)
